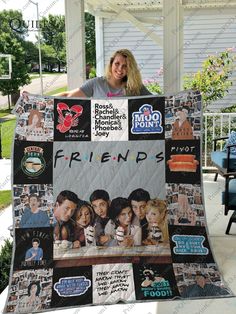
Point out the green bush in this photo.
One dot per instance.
(92, 73)
(229, 109)
(5, 263)
(213, 80)
(153, 86)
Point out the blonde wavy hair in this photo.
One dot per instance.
(133, 79)
(159, 206)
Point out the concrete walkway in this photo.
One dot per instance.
(6, 214)
(5, 171)
(7, 117)
(6, 217)
(50, 82)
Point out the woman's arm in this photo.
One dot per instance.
(76, 244)
(72, 93)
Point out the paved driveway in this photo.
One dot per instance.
(50, 82)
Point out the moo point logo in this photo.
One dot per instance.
(146, 120)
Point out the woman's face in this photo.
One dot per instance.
(83, 217)
(182, 115)
(125, 217)
(153, 216)
(119, 68)
(35, 119)
(33, 290)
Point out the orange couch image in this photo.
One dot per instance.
(183, 162)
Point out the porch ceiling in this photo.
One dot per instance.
(108, 7)
(134, 12)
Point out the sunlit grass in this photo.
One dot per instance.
(56, 91)
(7, 132)
(5, 199)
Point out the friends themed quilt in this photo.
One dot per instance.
(108, 203)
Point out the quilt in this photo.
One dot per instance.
(108, 203)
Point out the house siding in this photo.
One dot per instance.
(206, 31)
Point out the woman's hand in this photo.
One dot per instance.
(149, 241)
(127, 242)
(76, 244)
(104, 239)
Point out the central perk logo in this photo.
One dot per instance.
(146, 121)
(68, 117)
(33, 163)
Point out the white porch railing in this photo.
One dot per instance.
(215, 125)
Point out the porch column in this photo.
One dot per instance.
(75, 43)
(99, 46)
(173, 45)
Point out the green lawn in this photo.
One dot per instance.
(56, 91)
(7, 133)
(35, 75)
(4, 112)
(5, 199)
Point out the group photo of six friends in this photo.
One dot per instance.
(132, 221)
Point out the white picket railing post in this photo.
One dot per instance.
(224, 130)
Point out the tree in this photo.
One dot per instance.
(20, 76)
(48, 56)
(90, 39)
(53, 33)
(213, 80)
(5, 263)
(12, 36)
(12, 23)
(31, 53)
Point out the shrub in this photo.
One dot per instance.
(153, 86)
(5, 263)
(92, 73)
(213, 80)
